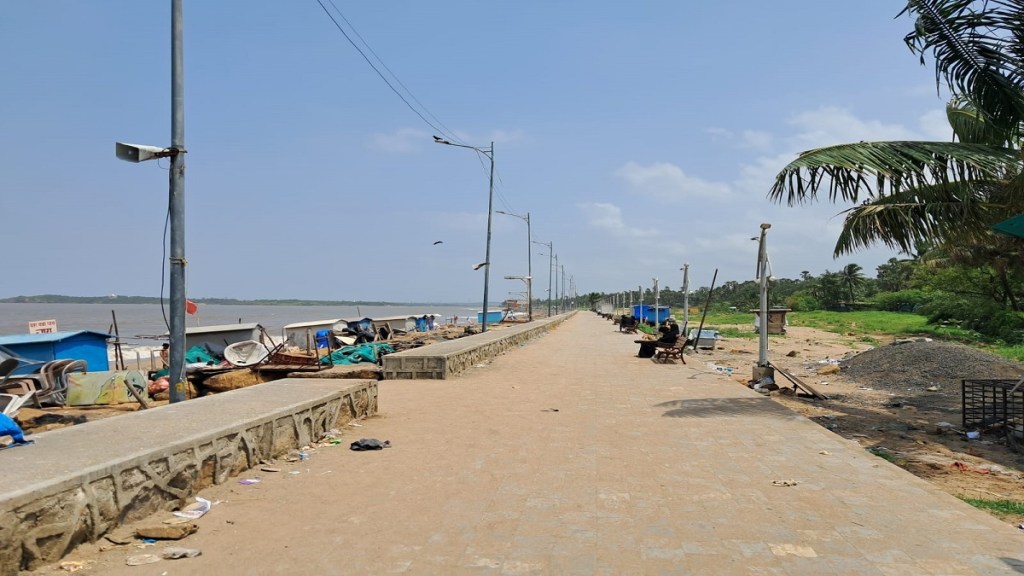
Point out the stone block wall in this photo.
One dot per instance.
(41, 526)
(449, 359)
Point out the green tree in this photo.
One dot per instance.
(894, 275)
(851, 277)
(908, 193)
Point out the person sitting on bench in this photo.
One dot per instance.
(649, 347)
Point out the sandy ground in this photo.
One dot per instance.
(901, 428)
(905, 432)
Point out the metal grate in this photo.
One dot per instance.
(993, 404)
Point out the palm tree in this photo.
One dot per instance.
(909, 193)
(851, 276)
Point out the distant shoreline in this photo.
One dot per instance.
(59, 299)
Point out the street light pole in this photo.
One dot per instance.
(175, 204)
(529, 262)
(489, 153)
(551, 252)
(176, 355)
(686, 298)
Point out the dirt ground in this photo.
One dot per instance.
(891, 398)
(888, 398)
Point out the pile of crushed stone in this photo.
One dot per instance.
(916, 366)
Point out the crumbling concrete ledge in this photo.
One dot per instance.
(76, 484)
(447, 359)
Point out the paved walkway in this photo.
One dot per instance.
(570, 456)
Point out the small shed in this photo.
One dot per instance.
(776, 320)
(303, 334)
(403, 323)
(80, 345)
(221, 335)
(646, 312)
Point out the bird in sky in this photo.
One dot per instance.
(438, 242)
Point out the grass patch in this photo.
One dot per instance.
(999, 507)
(734, 332)
(888, 456)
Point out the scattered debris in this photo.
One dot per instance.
(825, 453)
(786, 483)
(172, 532)
(141, 559)
(75, 565)
(269, 469)
(369, 444)
(173, 553)
(195, 510)
(248, 481)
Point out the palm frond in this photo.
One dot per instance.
(942, 213)
(978, 51)
(970, 126)
(876, 169)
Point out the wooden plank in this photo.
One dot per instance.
(798, 383)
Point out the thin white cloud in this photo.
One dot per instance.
(402, 140)
(608, 217)
(831, 125)
(720, 133)
(757, 140)
(668, 183)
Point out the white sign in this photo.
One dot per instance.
(42, 326)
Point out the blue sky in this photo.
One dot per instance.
(638, 136)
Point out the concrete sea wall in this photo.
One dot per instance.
(76, 484)
(447, 359)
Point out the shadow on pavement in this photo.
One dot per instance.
(719, 407)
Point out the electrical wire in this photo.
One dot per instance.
(381, 74)
(451, 135)
(439, 126)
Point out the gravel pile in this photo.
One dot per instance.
(913, 367)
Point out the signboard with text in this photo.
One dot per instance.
(42, 326)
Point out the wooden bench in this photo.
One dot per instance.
(666, 352)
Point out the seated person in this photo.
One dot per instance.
(673, 328)
(649, 347)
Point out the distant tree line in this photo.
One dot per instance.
(979, 294)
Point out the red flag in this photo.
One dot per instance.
(190, 307)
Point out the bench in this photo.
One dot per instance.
(665, 352)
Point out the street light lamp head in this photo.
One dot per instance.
(765, 226)
(480, 265)
(141, 153)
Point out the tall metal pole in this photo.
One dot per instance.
(640, 304)
(563, 289)
(762, 273)
(529, 270)
(558, 305)
(176, 207)
(657, 302)
(487, 255)
(489, 152)
(551, 254)
(686, 298)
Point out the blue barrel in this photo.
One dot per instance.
(323, 338)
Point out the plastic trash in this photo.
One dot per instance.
(369, 444)
(195, 510)
(973, 435)
(141, 559)
(248, 481)
(174, 552)
(8, 427)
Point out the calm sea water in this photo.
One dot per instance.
(141, 324)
